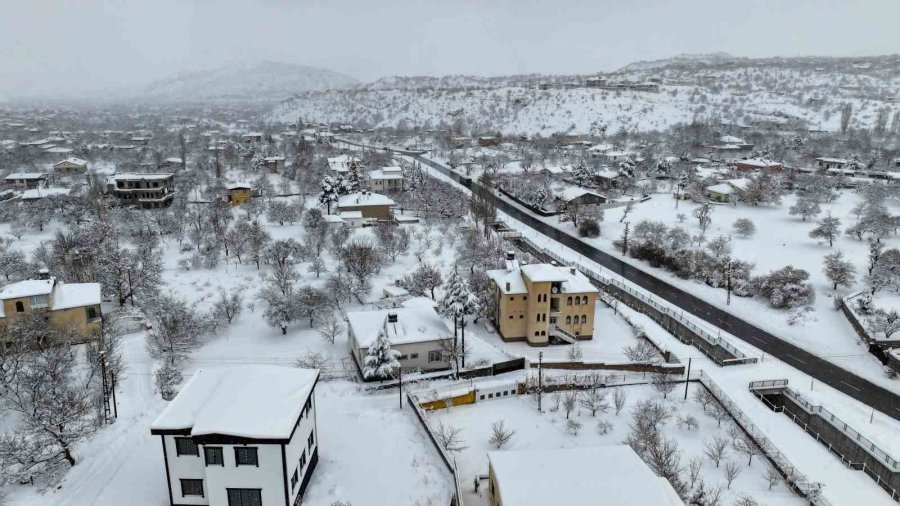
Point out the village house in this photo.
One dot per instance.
(386, 179)
(273, 163)
(831, 163)
(415, 330)
(241, 436)
(595, 82)
(71, 165)
(374, 206)
(252, 138)
(171, 163)
(26, 180)
(144, 190)
(613, 475)
(38, 194)
(606, 178)
(324, 137)
(573, 196)
(757, 164)
(488, 140)
(727, 190)
(538, 301)
(599, 150)
(238, 194)
(618, 156)
(68, 304)
(343, 163)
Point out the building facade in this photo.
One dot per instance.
(536, 302)
(75, 305)
(215, 454)
(144, 190)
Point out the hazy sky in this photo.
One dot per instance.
(73, 46)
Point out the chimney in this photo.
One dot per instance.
(507, 286)
(572, 270)
(392, 317)
(510, 255)
(43, 273)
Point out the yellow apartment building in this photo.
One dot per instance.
(67, 304)
(538, 301)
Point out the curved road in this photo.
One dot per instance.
(836, 377)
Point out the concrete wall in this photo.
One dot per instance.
(841, 444)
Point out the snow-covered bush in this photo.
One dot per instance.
(785, 288)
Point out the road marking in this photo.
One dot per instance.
(795, 358)
(849, 385)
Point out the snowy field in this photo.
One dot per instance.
(548, 430)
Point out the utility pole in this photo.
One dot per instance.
(728, 282)
(687, 378)
(105, 386)
(540, 378)
(401, 387)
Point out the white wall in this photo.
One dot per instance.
(298, 445)
(185, 467)
(408, 349)
(269, 476)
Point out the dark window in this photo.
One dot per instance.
(524, 297)
(584, 300)
(434, 356)
(310, 440)
(538, 317)
(510, 317)
(186, 446)
(244, 497)
(191, 487)
(569, 301)
(214, 456)
(246, 456)
(583, 319)
(91, 313)
(512, 299)
(413, 355)
(294, 480)
(302, 459)
(568, 320)
(521, 316)
(20, 308)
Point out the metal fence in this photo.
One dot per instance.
(796, 480)
(450, 462)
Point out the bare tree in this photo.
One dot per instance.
(569, 401)
(642, 351)
(603, 426)
(500, 435)
(694, 468)
(620, 398)
(450, 438)
(594, 400)
(229, 305)
(704, 398)
(719, 413)
(772, 476)
(688, 422)
(732, 471)
(663, 383)
(315, 360)
(330, 327)
(743, 444)
(716, 449)
(573, 426)
(746, 500)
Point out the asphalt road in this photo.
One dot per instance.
(818, 368)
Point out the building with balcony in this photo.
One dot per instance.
(143, 190)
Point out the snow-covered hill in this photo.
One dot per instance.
(807, 92)
(264, 81)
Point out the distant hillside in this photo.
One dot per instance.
(805, 92)
(264, 82)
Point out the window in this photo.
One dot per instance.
(512, 299)
(510, 317)
(413, 355)
(38, 301)
(524, 297)
(91, 313)
(435, 356)
(577, 301)
(538, 317)
(401, 357)
(246, 456)
(294, 480)
(310, 440)
(186, 446)
(302, 459)
(521, 316)
(583, 319)
(214, 456)
(20, 307)
(568, 320)
(191, 487)
(307, 406)
(244, 497)
(569, 301)
(584, 300)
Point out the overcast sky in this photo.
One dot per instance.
(73, 46)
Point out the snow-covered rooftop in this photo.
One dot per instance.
(39, 193)
(258, 401)
(361, 199)
(832, 160)
(73, 161)
(756, 162)
(386, 173)
(579, 477)
(573, 192)
(69, 295)
(26, 175)
(132, 176)
(541, 273)
(27, 288)
(417, 322)
(720, 188)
